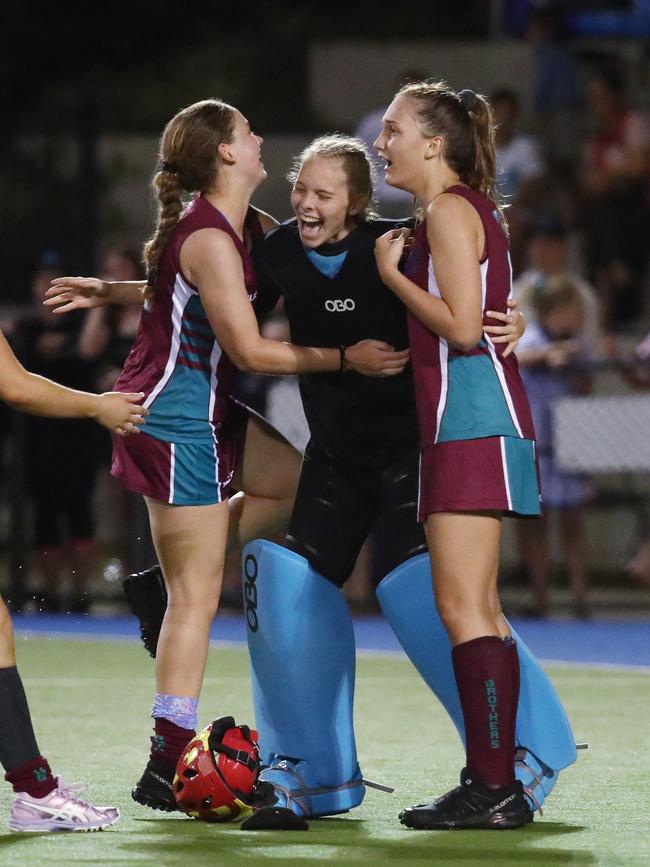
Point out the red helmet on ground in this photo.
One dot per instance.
(217, 772)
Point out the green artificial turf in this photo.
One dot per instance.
(90, 703)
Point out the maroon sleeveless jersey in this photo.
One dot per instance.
(478, 393)
(176, 359)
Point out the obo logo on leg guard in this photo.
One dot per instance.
(250, 592)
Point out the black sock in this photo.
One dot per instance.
(17, 741)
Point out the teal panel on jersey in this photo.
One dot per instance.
(523, 481)
(181, 412)
(327, 265)
(475, 405)
(195, 474)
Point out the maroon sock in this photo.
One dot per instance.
(34, 777)
(169, 741)
(488, 686)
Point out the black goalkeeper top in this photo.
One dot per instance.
(359, 419)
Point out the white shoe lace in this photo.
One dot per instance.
(72, 791)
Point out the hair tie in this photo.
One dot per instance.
(468, 99)
(172, 168)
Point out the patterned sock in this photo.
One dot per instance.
(175, 721)
(488, 685)
(34, 777)
(17, 742)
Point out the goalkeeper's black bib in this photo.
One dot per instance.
(366, 420)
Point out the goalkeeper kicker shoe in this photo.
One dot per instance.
(471, 805)
(537, 778)
(155, 787)
(293, 784)
(146, 596)
(61, 810)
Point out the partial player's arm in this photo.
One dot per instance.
(80, 293)
(211, 262)
(510, 333)
(36, 395)
(457, 315)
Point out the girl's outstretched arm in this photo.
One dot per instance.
(36, 395)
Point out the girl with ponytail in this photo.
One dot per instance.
(476, 433)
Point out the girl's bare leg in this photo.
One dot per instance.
(266, 480)
(464, 551)
(190, 542)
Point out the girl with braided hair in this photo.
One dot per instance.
(197, 446)
(477, 445)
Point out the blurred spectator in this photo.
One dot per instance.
(616, 189)
(108, 332)
(62, 454)
(518, 156)
(547, 255)
(550, 353)
(391, 202)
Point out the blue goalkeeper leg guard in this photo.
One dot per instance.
(545, 742)
(302, 658)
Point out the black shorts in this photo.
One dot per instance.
(338, 505)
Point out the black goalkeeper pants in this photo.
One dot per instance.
(339, 504)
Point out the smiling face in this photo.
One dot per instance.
(404, 146)
(322, 203)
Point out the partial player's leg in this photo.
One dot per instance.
(407, 600)
(266, 479)
(302, 654)
(301, 642)
(545, 741)
(487, 675)
(41, 803)
(190, 542)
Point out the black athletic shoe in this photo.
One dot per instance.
(471, 805)
(146, 595)
(154, 788)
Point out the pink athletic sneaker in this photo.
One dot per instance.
(61, 810)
